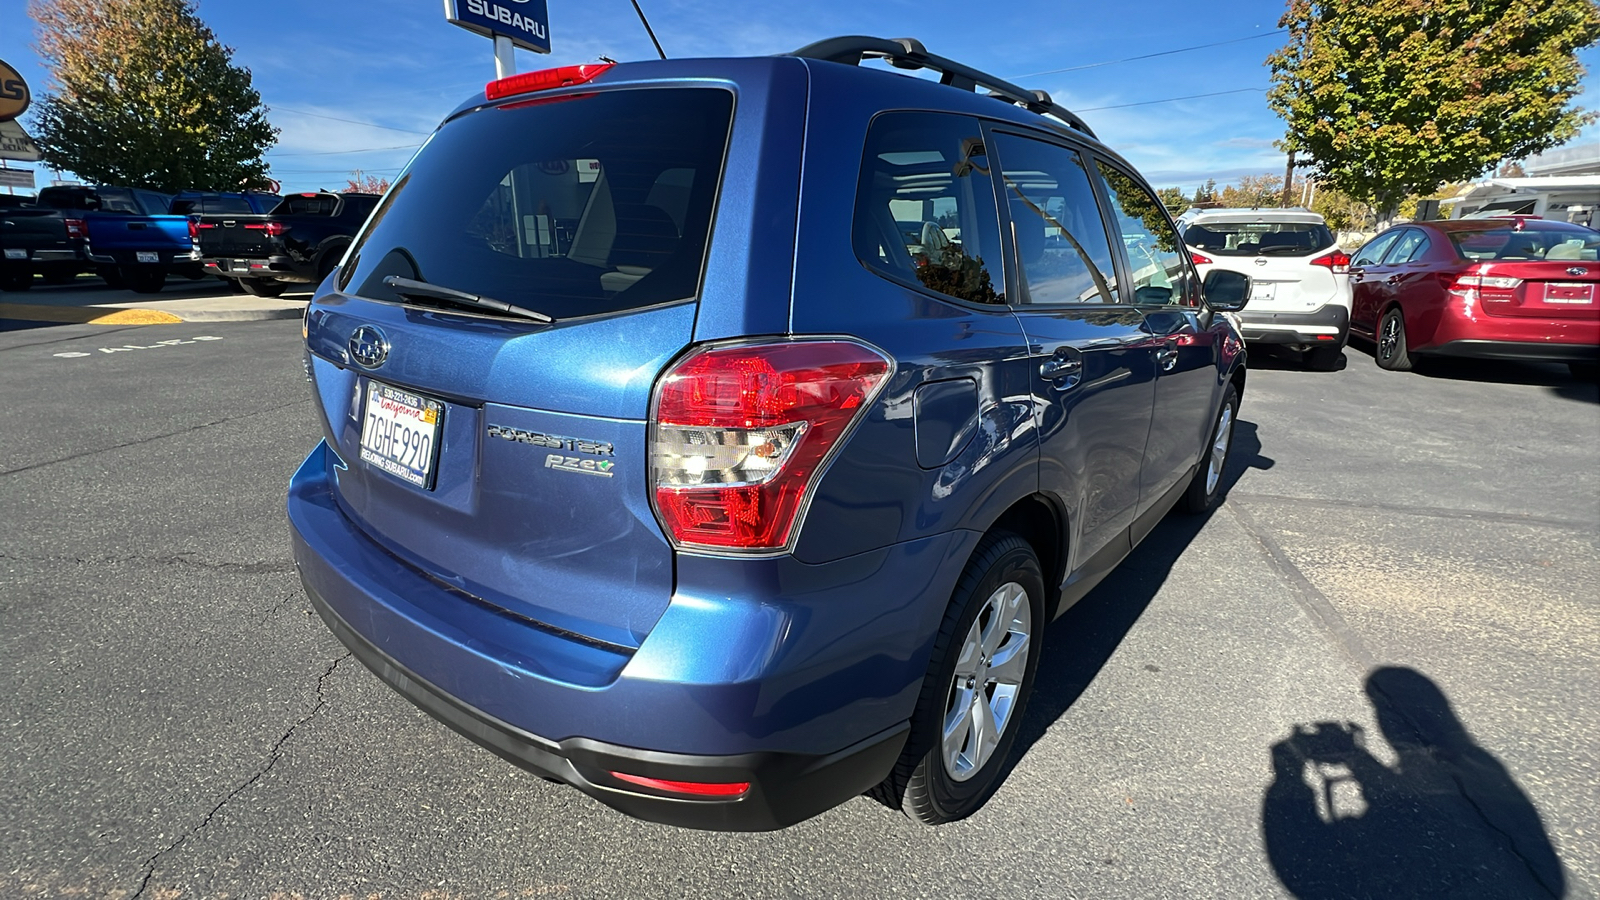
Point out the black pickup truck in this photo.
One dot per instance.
(299, 242)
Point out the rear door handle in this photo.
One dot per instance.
(1060, 367)
(1167, 357)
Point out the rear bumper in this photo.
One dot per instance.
(784, 787)
(772, 672)
(1329, 325)
(277, 268)
(1474, 334)
(120, 257)
(1523, 350)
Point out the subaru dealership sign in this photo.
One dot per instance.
(525, 22)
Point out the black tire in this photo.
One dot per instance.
(262, 287)
(1206, 491)
(1584, 371)
(112, 276)
(16, 281)
(329, 262)
(1391, 352)
(922, 784)
(1323, 359)
(54, 275)
(144, 279)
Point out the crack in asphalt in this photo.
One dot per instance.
(272, 759)
(137, 442)
(255, 568)
(80, 337)
(1437, 512)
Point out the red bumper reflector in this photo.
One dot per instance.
(1324, 337)
(690, 788)
(543, 80)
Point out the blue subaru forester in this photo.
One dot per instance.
(719, 436)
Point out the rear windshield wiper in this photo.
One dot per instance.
(413, 290)
(1286, 249)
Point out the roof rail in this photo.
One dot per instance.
(908, 53)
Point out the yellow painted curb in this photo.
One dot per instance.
(92, 315)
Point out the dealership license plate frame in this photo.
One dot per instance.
(146, 256)
(409, 410)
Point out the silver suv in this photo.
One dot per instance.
(1300, 294)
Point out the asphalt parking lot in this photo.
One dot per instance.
(1371, 673)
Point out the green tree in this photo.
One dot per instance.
(1174, 200)
(1206, 193)
(142, 94)
(1390, 98)
(1254, 191)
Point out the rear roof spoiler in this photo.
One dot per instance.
(908, 53)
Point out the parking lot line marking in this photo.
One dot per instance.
(86, 315)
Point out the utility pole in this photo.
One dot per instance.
(1288, 181)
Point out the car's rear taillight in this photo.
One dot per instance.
(1338, 261)
(740, 432)
(1200, 259)
(194, 232)
(76, 228)
(543, 80)
(273, 229)
(1488, 288)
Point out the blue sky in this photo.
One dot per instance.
(356, 84)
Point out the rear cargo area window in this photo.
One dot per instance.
(1258, 238)
(570, 206)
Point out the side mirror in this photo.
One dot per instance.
(1226, 291)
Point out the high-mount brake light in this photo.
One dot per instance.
(740, 432)
(688, 788)
(1199, 259)
(544, 80)
(1338, 262)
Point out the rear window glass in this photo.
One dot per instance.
(583, 205)
(1258, 238)
(1546, 241)
(301, 205)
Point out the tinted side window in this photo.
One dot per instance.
(1157, 261)
(358, 207)
(1411, 245)
(925, 211)
(1373, 251)
(1056, 222)
(117, 200)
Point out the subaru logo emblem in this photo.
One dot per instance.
(1577, 270)
(368, 346)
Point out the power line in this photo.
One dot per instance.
(1112, 62)
(337, 152)
(301, 112)
(1172, 99)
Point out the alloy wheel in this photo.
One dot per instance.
(1390, 336)
(1219, 448)
(988, 677)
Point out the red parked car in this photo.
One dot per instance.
(1501, 288)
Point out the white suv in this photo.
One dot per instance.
(1300, 294)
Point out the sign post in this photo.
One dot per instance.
(509, 23)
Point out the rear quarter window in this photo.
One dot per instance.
(570, 206)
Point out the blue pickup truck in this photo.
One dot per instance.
(126, 235)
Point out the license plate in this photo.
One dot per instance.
(1263, 290)
(16, 254)
(146, 256)
(1568, 292)
(400, 434)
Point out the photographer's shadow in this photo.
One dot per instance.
(1446, 820)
